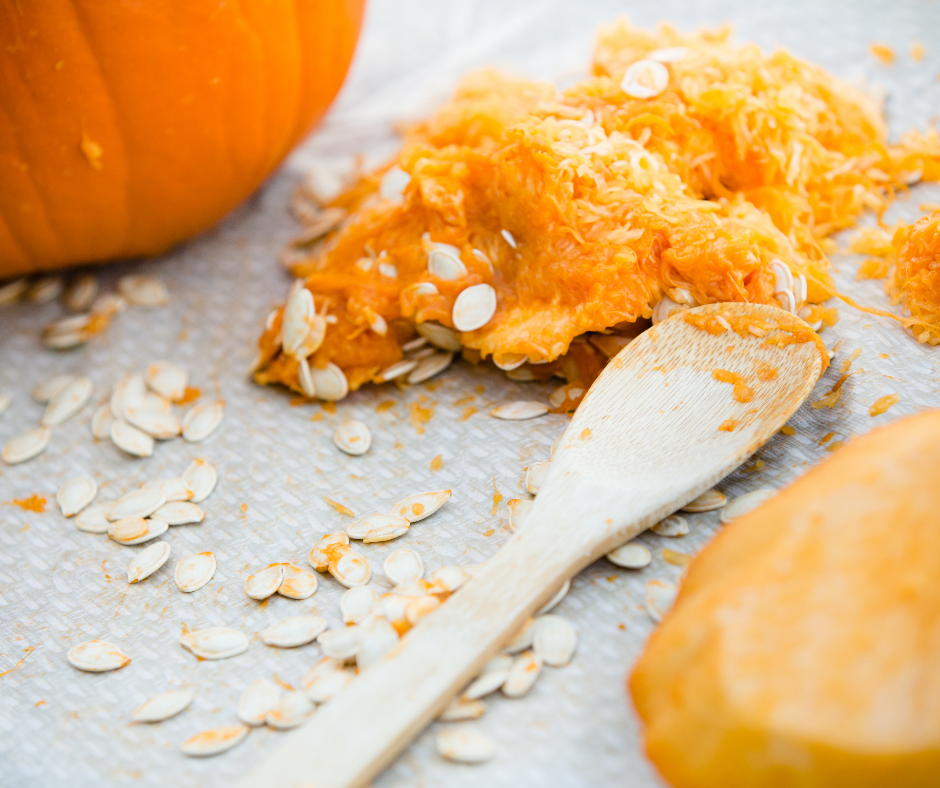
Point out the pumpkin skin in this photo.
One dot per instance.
(126, 127)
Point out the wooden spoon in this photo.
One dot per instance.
(646, 440)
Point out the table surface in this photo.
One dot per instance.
(59, 587)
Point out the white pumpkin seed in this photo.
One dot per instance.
(179, 513)
(519, 410)
(645, 79)
(393, 184)
(403, 566)
(257, 699)
(297, 318)
(294, 631)
(429, 367)
(215, 642)
(201, 478)
(75, 494)
(746, 504)
(25, 446)
(80, 293)
(350, 568)
(306, 379)
(318, 557)
(552, 603)
(11, 292)
(554, 640)
(140, 290)
(660, 596)
(357, 603)
(94, 519)
(632, 555)
(169, 380)
(440, 336)
(377, 637)
(291, 711)
(522, 639)
(101, 422)
(44, 289)
(162, 426)
(670, 54)
(163, 706)
(396, 370)
(265, 583)
(386, 533)
(416, 507)
(201, 421)
(360, 528)
(674, 525)
(446, 265)
(535, 476)
(136, 530)
(97, 656)
(130, 439)
(508, 362)
(108, 304)
(353, 437)
(474, 307)
(523, 675)
(460, 710)
(297, 583)
(330, 382)
(519, 509)
(389, 270)
(465, 744)
(129, 391)
(448, 578)
(340, 643)
(147, 561)
(68, 402)
(139, 503)
(214, 741)
(706, 502)
(488, 681)
(45, 390)
(326, 679)
(194, 571)
(172, 488)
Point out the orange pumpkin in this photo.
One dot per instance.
(128, 127)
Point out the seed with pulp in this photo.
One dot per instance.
(674, 525)
(353, 437)
(194, 571)
(348, 567)
(446, 265)
(318, 557)
(554, 640)
(396, 370)
(180, 513)
(417, 507)
(97, 656)
(26, 446)
(293, 708)
(139, 503)
(706, 502)
(517, 411)
(297, 318)
(214, 741)
(94, 519)
(201, 478)
(67, 402)
(265, 583)
(474, 307)
(297, 583)
(201, 421)
(147, 561)
(167, 379)
(660, 596)
(464, 744)
(257, 700)
(523, 674)
(163, 706)
(215, 643)
(403, 566)
(130, 439)
(330, 382)
(294, 631)
(645, 79)
(430, 366)
(632, 555)
(75, 494)
(440, 336)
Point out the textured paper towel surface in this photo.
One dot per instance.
(59, 587)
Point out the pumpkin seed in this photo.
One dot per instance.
(215, 642)
(326, 679)
(318, 557)
(294, 631)
(201, 421)
(108, 304)
(474, 307)
(139, 503)
(147, 561)
(265, 583)
(488, 681)
(389, 270)
(76, 494)
(446, 265)
(297, 318)
(306, 379)
(460, 710)
(350, 568)
(523, 675)
(660, 596)
(645, 79)
(214, 741)
(393, 184)
(519, 509)
(194, 571)
(97, 656)
(417, 507)
(429, 367)
(674, 525)
(746, 504)
(130, 439)
(63, 341)
(292, 710)
(67, 402)
(706, 502)
(522, 639)
(535, 476)
(508, 362)
(257, 699)
(46, 389)
(632, 555)
(180, 513)
(80, 293)
(129, 391)
(522, 409)
(172, 488)
(140, 290)
(201, 478)
(162, 426)
(670, 54)
(11, 292)
(554, 640)
(396, 370)
(136, 530)
(360, 528)
(297, 583)
(330, 382)
(552, 603)
(163, 706)
(167, 379)
(448, 578)
(403, 566)
(464, 744)
(352, 437)
(386, 533)
(340, 643)
(377, 638)
(440, 336)
(25, 446)
(101, 422)
(94, 519)
(357, 603)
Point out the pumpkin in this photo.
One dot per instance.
(128, 127)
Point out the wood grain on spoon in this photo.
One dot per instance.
(658, 427)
